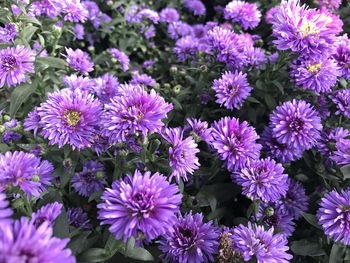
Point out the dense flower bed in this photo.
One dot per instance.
(174, 131)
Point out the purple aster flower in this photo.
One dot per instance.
(186, 47)
(11, 124)
(302, 30)
(246, 14)
(169, 15)
(9, 136)
(8, 33)
(333, 215)
(149, 31)
(330, 137)
(78, 218)
(47, 213)
(106, 87)
(78, 30)
(148, 63)
(196, 6)
(200, 129)
(32, 122)
(255, 241)
(342, 154)
(74, 10)
(38, 48)
(199, 31)
(322, 107)
(79, 60)
(90, 180)
(190, 240)
(26, 171)
(297, 124)
(273, 57)
(143, 203)
(78, 82)
(295, 201)
(341, 98)
(106, 18)
(262, 179)
(23, 242)
(150, 14)
(15, 62)
(182, 154)
(283, 153)
(37, 150)
(5, 213)
(235, 142)
(70, 117)
(232, 89)
(121, 57)
(205, 97)
(317, 75)
(342, 57)
(133, 112)
(179, 28)
(142, 79)
(255, 56)
(269, 15)
(279, 218)
(331, 5)
(49, 8)
(92, 8)
(131, 16)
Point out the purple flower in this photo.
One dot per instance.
(47, 213)
(133, 112)
(295, 201)
(90, 180)
(342, 154)
(142, 79)
(317, 75)
(8, 33)
(190, 240)
(79, 60)
(186, 47)
(283, 153)
(255, 56)
(121, 57)
(341, 98)
(50, 8)
(150, 14)
(255, 241)
(262, 179)
(333, 215)
(329, 137)
(32, 122)
(200, 129)
(196, 6)
(141, 204)
(182, 154)
(78, 218)
(179, 28)
(296, 124)
(131, 16)
(246, 14)
(11, 124)
(322, 107)
(78, 82)
(342, 57)
(38, 48)
(169, 15)
(199, 31)
(232, 89)
(70, 117)
(37, 150)
(279, 218)
(331, 5)
(78, 30)
(26, 171)
(5, 213)
(9, 136)
(74, 10)
(93, 10)
(235, 142)
(148, 63)
(149, 31)
(205, 97)
(15, 62)
(106, 87)
(269, 15)
(23, 242)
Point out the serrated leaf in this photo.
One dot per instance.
(20, 95)
(52, 62)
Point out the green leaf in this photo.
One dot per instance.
(346, 171)
(79, 243)
(177, 104)
(93, 255)
(52, 62)
(130, 244)
(139, 253)
(95, 196)
(337, 253)
(306, 248)
(28, 19)
(28, 32)
(311, 219)
(19, 95)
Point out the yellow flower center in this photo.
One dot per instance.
(308, 28)
(72, 117)
(314, 68)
